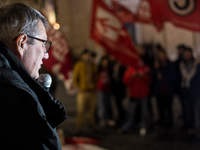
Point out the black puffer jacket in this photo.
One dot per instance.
(28, 113)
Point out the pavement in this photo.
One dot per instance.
(108, 138)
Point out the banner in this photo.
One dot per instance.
(123, 13)
(60, 61)
(144, 12)
(181, 13)
(108, 31)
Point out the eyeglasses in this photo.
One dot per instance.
(47, 44)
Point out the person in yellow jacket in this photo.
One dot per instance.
(85, 78)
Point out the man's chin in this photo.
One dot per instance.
(35, 76)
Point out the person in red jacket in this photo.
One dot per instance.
(138, 82)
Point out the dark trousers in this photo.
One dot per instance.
(120, 108)
(164, 104)
(188, 107)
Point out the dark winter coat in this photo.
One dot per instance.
(28, 112)
(166, 85)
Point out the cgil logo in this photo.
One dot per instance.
(182, 7)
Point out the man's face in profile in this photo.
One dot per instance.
(34, 54)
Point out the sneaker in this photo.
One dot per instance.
(121, 131)
(111, 123)
(102, 124)
(142, 131)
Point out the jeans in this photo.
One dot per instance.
(144, 113)
(104, 109)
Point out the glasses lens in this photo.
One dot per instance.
(47, 46)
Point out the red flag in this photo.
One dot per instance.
(182, 13)
(144, 12)
(108, 31)
(125, 15)
(60, 61)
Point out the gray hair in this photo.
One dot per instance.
(16, 19)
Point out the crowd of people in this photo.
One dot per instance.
(161, 78)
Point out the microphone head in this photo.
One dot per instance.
(45, 80)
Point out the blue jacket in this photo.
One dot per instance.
(28, 112)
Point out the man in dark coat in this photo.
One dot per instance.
(29, 114)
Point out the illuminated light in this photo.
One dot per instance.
(56, 26)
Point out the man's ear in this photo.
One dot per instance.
(20, 43)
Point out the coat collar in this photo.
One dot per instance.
(14, 63)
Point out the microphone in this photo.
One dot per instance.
(45, 80)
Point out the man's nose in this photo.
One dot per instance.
(46, 56)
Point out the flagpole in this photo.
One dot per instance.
(154, 47)
(165, 36)
(195, 43)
